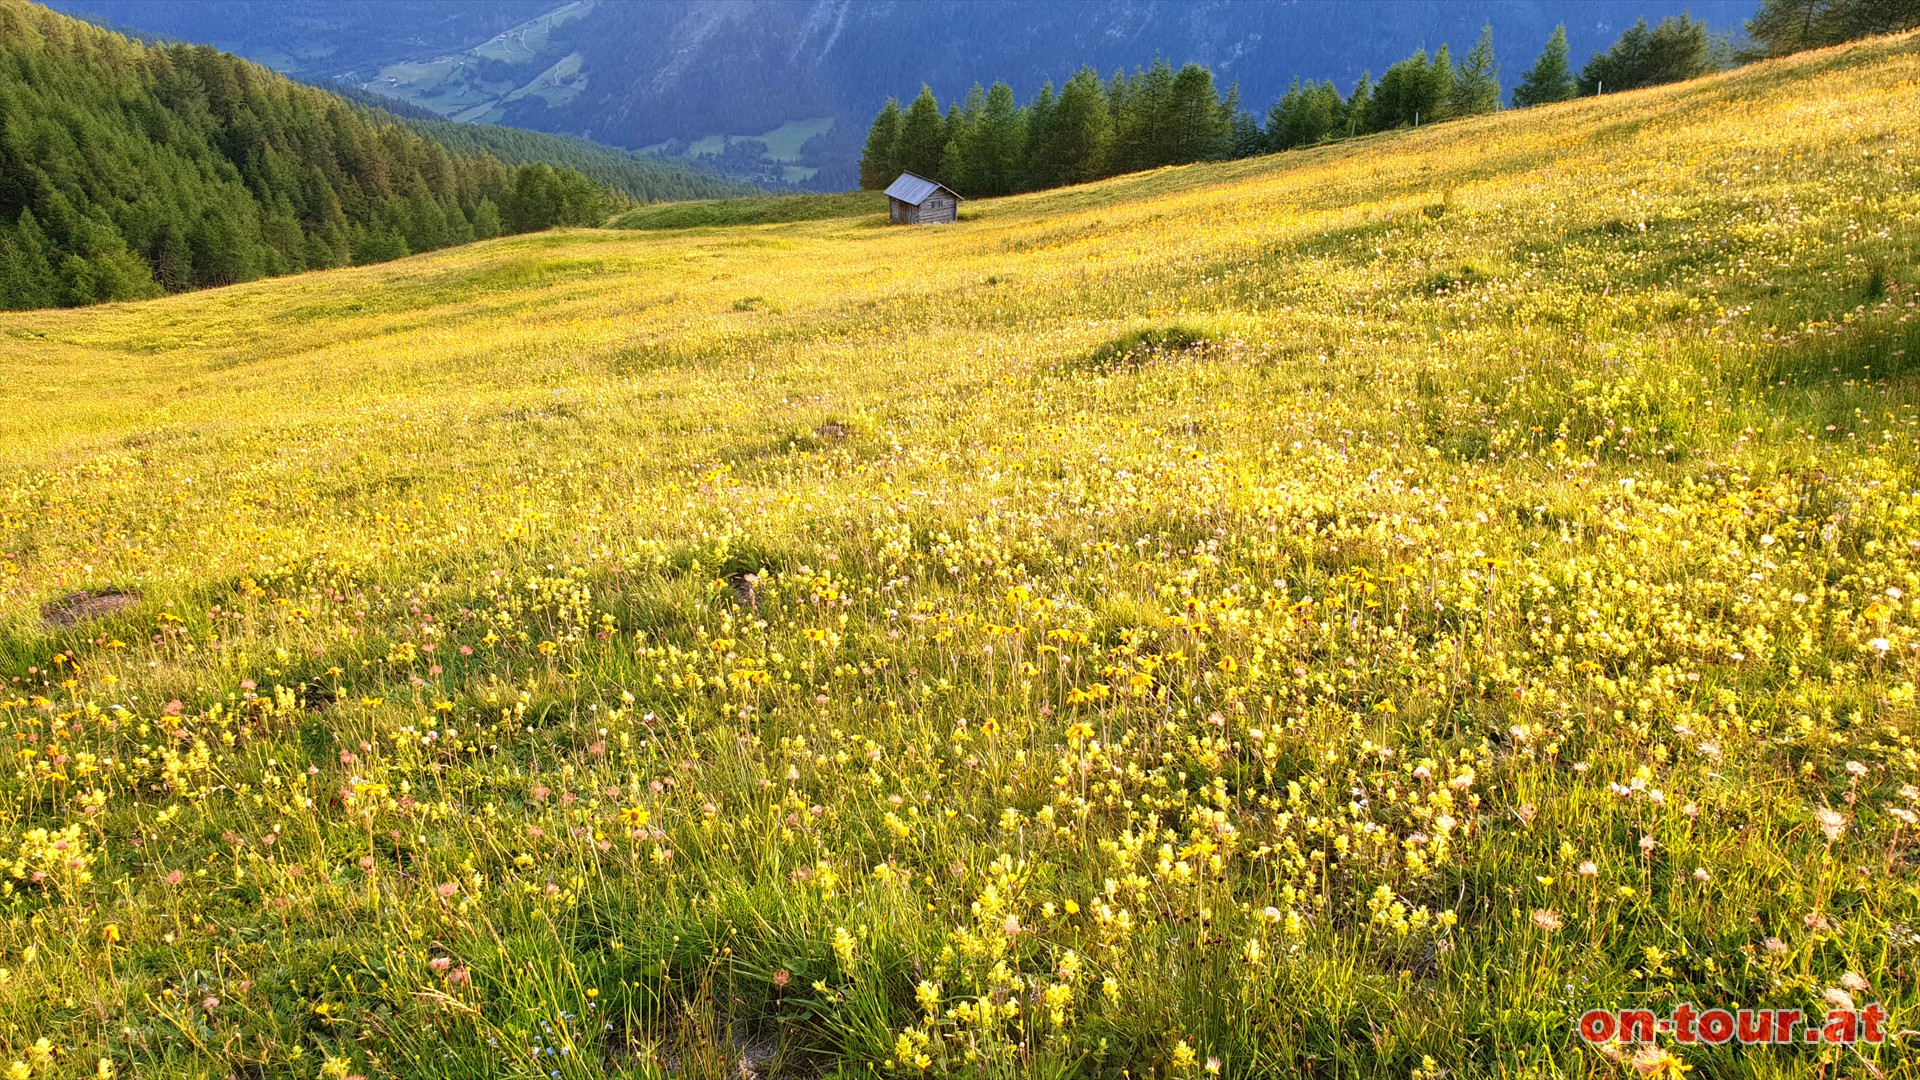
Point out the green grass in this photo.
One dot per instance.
(783, 142)
(449, 86)
(772, 209)
(1236, 612)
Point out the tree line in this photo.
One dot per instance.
(989, 145)
(1781, 27)
(128, 170)
(644, 178)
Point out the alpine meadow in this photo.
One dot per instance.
(1338, 613)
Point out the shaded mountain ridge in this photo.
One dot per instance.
(127, 170)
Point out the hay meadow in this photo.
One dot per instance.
(1340, 613)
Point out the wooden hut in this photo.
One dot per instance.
(916, 200)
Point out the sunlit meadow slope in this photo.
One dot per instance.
(1342, 613)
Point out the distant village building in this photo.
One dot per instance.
(916, 200)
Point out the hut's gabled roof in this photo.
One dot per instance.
(914, 190)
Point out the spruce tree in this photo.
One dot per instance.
(880, 161)
(1549, 79)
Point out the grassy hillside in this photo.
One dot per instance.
(1343, 613)
(765, 210)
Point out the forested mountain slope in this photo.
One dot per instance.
(127, 170)
(316, 38)
(644, 178)
(677, 71)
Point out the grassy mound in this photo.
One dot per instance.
(1136, 346)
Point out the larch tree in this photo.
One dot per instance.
(880, 160)
(1080, 136)
(923, 137)
(1476, 82)
(1550, 79)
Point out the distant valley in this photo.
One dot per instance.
(781, 91)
